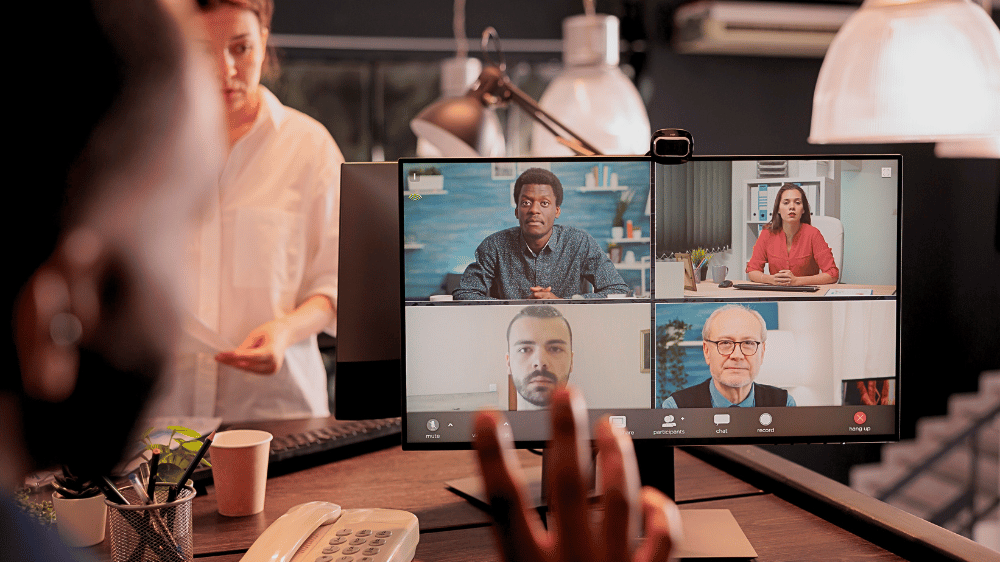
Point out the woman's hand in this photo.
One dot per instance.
(785, 277)
(262, 352)
(571, 536)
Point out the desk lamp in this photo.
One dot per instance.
(459, 126)
(911, 71)
(457, 74)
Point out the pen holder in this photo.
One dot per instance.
(160, 532)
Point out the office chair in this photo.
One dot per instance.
(833, 232)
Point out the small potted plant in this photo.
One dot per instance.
(81, 514)
(182, 446)
(699, 259)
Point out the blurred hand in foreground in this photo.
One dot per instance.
(571, 536)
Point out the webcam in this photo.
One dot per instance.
(671, 146)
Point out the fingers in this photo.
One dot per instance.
(620, 484)
(519, 531)
(663, 527)
(568, 475)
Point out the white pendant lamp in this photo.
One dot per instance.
(911, 71)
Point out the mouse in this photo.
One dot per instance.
(725, 284)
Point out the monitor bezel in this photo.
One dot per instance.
(667, 441)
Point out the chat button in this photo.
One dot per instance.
(721, 419)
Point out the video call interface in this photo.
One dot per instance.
(721, 300)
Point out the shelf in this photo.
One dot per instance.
(643, 240)
(600, 188)
(635, 266)
(422, 192)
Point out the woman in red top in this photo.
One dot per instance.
(794, 249)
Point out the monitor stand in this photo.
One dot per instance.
(708, 533)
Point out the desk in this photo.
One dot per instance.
(772, 517)
(711, 290)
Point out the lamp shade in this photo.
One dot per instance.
(910, 71)
(979, 148)
(592, 95)
(460, 127)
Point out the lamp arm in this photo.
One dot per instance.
(574, 143)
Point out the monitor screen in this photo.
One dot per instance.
(722, 300)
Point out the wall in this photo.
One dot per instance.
(758, 105)
(869, 208)
(458, 349)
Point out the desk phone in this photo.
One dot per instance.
(323, 532)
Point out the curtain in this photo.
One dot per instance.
(694, 207)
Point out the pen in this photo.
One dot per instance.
(172, 495)
(111, 492)
(139, 490)
(154, 463)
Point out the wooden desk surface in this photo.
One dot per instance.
(453, 529)
(711, 290)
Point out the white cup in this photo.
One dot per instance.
(239, 470)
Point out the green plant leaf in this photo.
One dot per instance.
(193, 446)
(184, 431)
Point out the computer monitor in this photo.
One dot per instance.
(627, 328)
(367, 380)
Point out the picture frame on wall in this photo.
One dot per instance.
(645, 351)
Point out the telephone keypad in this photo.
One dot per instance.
(364, 536)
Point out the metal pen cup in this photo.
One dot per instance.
(159, 532)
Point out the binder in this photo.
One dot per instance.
(762, 200)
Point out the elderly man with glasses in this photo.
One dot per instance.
(734, 341)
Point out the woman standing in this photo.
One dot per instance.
(794, 250)
(264, 269)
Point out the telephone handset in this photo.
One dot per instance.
(323, 532)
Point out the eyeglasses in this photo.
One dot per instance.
(726, 347)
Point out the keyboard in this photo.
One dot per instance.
(763, 287)
(337, 433)
(333, 440)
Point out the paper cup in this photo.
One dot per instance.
(239, 470)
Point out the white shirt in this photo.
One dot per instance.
(267, 242)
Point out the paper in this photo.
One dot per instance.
(712, 533)
(201, 338)
(849, 292)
